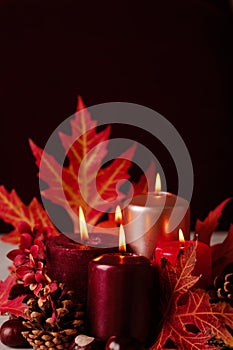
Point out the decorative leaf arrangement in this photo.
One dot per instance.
(12, 209)
(192, 318)
(196, 318)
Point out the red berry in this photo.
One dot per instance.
(10, 333)
(123, 343)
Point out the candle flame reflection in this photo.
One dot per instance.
(181, 236)
(158, 184)
(118, 215)
(83, 226)
(122, 243)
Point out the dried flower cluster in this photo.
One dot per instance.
(29, 261)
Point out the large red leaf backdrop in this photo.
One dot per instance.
(175, 58)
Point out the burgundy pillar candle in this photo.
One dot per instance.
(123, 294)
(67, 260)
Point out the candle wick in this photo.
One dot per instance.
(181, 251)
(195, 236)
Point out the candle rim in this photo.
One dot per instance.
(101, 260)
(71, 244)
(163, 196)
(187, 241)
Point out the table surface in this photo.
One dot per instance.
(5, 262)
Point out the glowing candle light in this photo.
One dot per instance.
(148, 219)
(170, 251)
(68, 259)
(118, 215)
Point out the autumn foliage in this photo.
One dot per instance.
(15, 306)
(77, 182)
(191, 321)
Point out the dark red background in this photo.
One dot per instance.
(175, 57)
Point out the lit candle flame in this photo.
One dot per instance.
(158, 185)
(181, 236)
(122, 243)
(83, 226)
(118, 215)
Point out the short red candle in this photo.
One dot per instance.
(67, 261)
(170, 251)
(123, 294)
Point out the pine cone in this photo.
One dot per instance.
(53, 320)
(42, 340)
(216, 342)
(223, 285)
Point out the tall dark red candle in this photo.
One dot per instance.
(67, 261)
(123, 291)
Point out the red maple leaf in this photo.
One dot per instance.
(15, 306)
(189, 320)
(177, 280)
(222, 254)
(13, 210)
(187, 326)
(146, 183)
(205, 228)
(224, 312)
(192, 325)
(85, 155)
